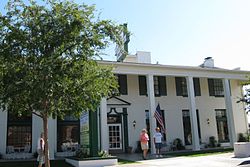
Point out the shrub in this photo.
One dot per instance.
(242, 137)
(178, 144)
(82, 153)
(213, 143)
(103, 154)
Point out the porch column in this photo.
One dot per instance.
(229, 111)
(152, 121)
(3, 127)
(193, 115)
(104, 125)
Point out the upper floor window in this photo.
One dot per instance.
(142, 85)
(122, 83)
(215, 87)
(181, 86)
(159, 85)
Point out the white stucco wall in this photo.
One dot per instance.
(37, 128)
(173, 106)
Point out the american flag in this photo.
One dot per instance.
(158, 117)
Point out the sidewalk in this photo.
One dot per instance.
(215, 160)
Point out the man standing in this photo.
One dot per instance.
(158, 142)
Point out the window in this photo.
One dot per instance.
(159, 86)
(181, 86)
(197, 87)
(142, 86)
(215, 87)
(187, 126)
(19, 135)
(122, 82)
(222, 127)
(68, 133)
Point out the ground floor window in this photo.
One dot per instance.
(68, 134)
(19, 133)
(187, 126)
(222, 127)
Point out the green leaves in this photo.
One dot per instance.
(47, 57)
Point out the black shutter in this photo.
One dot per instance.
(142, 85)
(123, 87)
(162, 85)
(178, 86)
(197, 88)
(211, 87)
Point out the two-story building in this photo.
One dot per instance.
(195, 102)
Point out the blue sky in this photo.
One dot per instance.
(183, 32)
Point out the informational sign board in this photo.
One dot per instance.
(84, 132)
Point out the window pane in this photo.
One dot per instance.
(19, 132)
(123, 87)
(222, 127)
(197, 89)
(156, 86)
(142, 85)
(68, 135)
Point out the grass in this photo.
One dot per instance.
(123, 161)
(201, 152)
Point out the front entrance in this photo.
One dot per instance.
(115, 137)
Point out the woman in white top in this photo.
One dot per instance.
(40, 150)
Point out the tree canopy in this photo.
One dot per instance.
(48, 55)
(48, 58)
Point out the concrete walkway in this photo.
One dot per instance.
(216, 160)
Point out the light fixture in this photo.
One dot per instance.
(134, 123)
(208, 121)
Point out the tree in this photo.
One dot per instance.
(48, 59)
(246, 98)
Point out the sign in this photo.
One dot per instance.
(84, 132)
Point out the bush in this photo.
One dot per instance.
(242, 137)
(103, 154)
(213, 143)
(178, 144)
(82, 153)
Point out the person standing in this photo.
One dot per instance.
(158, 141)
(144, 138)
(40, 150)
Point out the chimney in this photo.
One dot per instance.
(208, 62)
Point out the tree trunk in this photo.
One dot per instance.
(45, 128)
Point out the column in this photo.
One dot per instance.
(3, 129)
(103, 125)
(125, 127)
(193, 115)
(152, 121)
(229, 111)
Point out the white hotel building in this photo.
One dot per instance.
(196, 103)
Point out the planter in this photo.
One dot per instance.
(242, 149)
(92, 162)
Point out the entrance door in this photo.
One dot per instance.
(115, 136)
